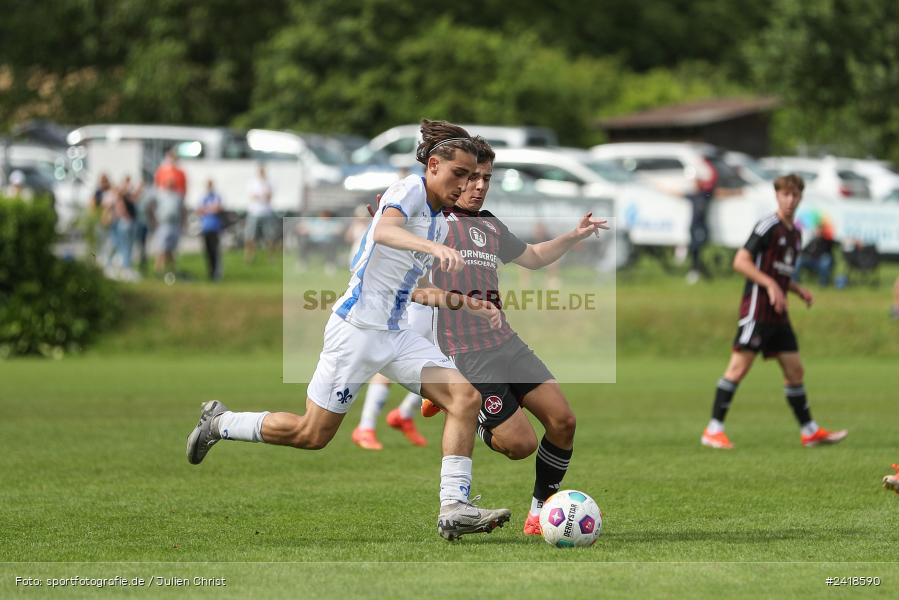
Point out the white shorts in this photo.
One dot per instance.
(421, 320)
(351, 356)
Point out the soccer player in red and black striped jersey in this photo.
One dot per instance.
(768, 261)
(498, 363)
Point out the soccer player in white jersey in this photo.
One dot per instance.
(368, 333)
(401, 418)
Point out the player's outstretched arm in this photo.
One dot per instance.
(745, 266)
(537, 256)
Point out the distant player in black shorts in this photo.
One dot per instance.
(498, 363)
(768, 260)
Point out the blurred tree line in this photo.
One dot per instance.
(364, 65)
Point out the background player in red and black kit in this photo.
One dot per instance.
(768, 260)
(498, 363)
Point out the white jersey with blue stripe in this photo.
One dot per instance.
(383, 278)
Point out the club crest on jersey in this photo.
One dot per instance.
(782, 242)
(477, 236)
(493, 404)
(344, 396)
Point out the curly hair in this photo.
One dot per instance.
(443, 139)
(485, 152)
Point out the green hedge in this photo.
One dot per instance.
(47, 305)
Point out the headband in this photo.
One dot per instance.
(438, 144)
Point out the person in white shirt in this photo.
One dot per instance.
(260, 222)
(368, 333)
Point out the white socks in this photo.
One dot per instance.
(410, 405)
(536, 505)
(243, 426)
(455, 479)
(375, 397)
(809, 428)
(715, 426)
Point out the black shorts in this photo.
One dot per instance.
(768, 338)
(503, 375)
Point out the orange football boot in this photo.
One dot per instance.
(407, 426)
(428, 408)
(716, 440)
(365, 438)
(532, 525)
(822, 436)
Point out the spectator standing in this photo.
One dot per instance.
(143, 224)
(210, 213)
(169, 213)
(91, 218)
(700, 200)
(260, 216)
(124, 212)
(170, 176)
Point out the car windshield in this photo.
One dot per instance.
(757, 170)
(326, 153)
(366, 156)
(610, 171)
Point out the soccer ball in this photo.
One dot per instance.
(570, 518)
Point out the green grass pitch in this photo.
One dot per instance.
(95, 482)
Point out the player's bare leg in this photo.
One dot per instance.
(514, 437)
(311, 431)
(449, 390)
(737, 368)
(812, 434)
(548, 404)
(458, 516)
(739, 365)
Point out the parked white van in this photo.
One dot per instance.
(230, 158)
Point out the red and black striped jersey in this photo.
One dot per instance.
(775, 247)
(483, 240)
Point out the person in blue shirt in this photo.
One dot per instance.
(210, 213)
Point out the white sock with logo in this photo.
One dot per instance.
(536, 505)
(243, 426)
(410, 405)
(375, 397)
(455, 479)
(810, 428)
